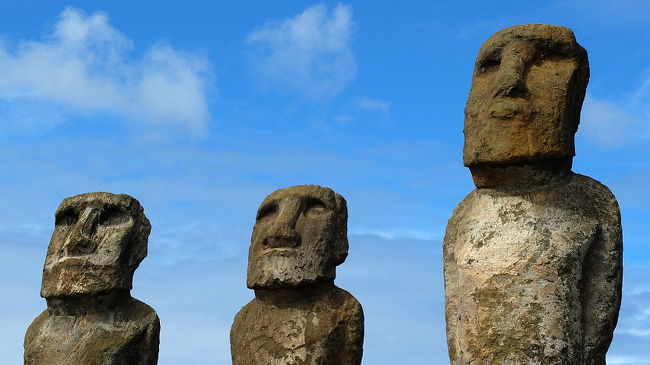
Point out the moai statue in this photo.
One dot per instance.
(298, 315)
(533, 256)
(99, 240)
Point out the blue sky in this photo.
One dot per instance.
(200, 109)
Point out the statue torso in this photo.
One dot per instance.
(316, 333)
(119, 338)
(521, 260)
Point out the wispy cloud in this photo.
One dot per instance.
(633, 329)
(373, 105)
(84, 65)
(619, 13)
(388, 234)
(610, 123)
(641, 97)
(308, 54)
(400, 285)
(627, 360)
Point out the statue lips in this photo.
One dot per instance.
(281, 244)
(279, 252)
(72, 260)
(80, 264)
(507, 109)
(81, 247)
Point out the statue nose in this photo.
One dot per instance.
(88, 222)
(284, 233)
(287, 238)
(80, 241)
(510, 80)
(510, 84)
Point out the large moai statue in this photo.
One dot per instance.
(533, 256)
(99, 240)
(298, 315)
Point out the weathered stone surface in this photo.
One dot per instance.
(533, 256)
(99, 240)
(527, 91)
(298, 315)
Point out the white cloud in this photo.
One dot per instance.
(619, 13)
(633, 329)
(625, 360)
(641, 97)
(612, 124)
(607, 123)
(391, 234)
(373, 105)
(309, 54)
(84, 66)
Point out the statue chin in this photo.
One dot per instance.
(75, 278)
(280, 270)
(283, 272)
(271, 281)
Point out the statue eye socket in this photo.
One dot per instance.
(315, 208)
(65, 218)
(267, 211)
(113, 216)
(488, 64)
(552, 56)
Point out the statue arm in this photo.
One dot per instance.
(603, 278)
(451, 281)
(152, 342)
(353, 341)
(30, 342)
(236, 343)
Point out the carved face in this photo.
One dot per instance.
(99, 240)
(527, 91)
(300, 236)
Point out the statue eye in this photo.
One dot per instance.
(66, 218)
(113, 216)
(315, 208)
(267, 211)
(554, 54)
(488, 64)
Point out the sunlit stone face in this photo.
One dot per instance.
(299, 238)
(527, 91)
(99, 239)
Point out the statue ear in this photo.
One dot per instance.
(341, 244)
(137, 250)
(340, 250)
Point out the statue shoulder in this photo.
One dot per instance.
(251, 309)
(35, 327)
(348, 299)
(593, 184)
(595, 194)
(461, 211)
(136, 310)
(468, 202)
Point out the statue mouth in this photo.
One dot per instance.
(506, 109)
(72, 260)
(282, 242)
(279, 251)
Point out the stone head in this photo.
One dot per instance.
(527, 91)
(99, 240)
(299, 238)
